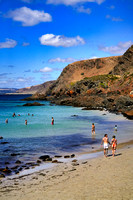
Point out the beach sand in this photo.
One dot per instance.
(99, 178)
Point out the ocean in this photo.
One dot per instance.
(71, 132)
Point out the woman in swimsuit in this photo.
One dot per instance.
(114, 145)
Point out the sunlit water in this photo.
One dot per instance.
(71, 132)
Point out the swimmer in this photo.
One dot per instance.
(115, 129)
(93, 129)
(6, 121)
(52, 123)
(14, 115)
(114, 145)
(105, 142)
(26, 122)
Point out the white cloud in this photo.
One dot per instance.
(8, 44)
(59, 40)
(118, 49)
(115, 19)
(63, 60)
(72, 2)
(46, 69)
(29, 17)
(81, 9)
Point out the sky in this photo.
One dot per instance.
(38, 38)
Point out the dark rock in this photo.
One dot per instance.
(85, 162)
(16, 172)
(74, 160)
(1, 169)
(20, 169)
(44, 157)
(7, 163)
(4, 142)
(75, 164)
(55, 161)
(15, 167)
(15, 154)
(57, 156)
(67, 156)
(2, 176)
(27, 168)
(6, 150)
(1, 137)
(38, 161)
(34, 104)
(7, 170)
(18, 162)
(73, 155)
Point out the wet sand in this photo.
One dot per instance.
(90, 179)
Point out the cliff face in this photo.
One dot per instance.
(79, 70)
(125, 63)
(121, 66)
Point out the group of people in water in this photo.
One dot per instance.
(26, 121)
(105, 141)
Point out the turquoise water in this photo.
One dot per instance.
(70, 133)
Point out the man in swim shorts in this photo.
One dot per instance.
(105, 142)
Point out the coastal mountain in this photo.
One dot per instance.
(102, 83)
(7, 90)
(81, 69)
(41, 89)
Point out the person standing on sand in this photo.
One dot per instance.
(114, 145)
(105, 142)
(52, 123)
(93, 129)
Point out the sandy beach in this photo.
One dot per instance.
(91, 179)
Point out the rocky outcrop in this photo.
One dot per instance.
(33, 104)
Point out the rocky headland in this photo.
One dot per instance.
(102, 83)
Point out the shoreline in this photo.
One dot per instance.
(76, 180)
(47, 165)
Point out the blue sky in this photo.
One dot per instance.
(38, 38)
